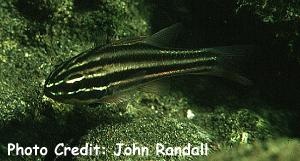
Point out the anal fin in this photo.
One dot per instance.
(117, 98)
(159, 87)
(218, 72)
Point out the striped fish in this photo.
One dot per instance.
(109, 74)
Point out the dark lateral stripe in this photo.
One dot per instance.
(63, 66)
(82, 95)
(135, 81)
(157, 66)
(141, 53)
(99, 65)
(116, 75)
(130, 82)
(137, 56)
(97, 52)
(102, 52)
(120, 75)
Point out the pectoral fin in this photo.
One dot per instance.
(159, 87)
(117, 98)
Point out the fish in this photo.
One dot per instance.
(111, 73)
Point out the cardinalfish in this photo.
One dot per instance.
(110, 73)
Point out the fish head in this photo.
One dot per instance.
(55, 80)
(68, 84)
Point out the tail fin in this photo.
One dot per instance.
(235, 50)
(233, 60)
(234, 57)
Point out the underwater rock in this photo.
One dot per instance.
(29, 49)
(145, 132)
(35, 36)
(279, 149)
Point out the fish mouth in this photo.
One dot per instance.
(47, 87)
(47, 92)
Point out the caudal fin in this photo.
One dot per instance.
(234, 57)
(233, 60)
(234, 50)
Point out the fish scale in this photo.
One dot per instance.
(131, 55)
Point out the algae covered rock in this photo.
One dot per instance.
(279, 149)
(283, 19)
(144, 132)
(35, 36)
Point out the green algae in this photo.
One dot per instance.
(35, 36)
(169, 131)
(278, 149)
(284, 17)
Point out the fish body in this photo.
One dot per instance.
(110, 71)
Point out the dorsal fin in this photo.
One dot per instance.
(165, 38)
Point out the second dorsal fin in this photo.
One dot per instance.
(165, 38)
